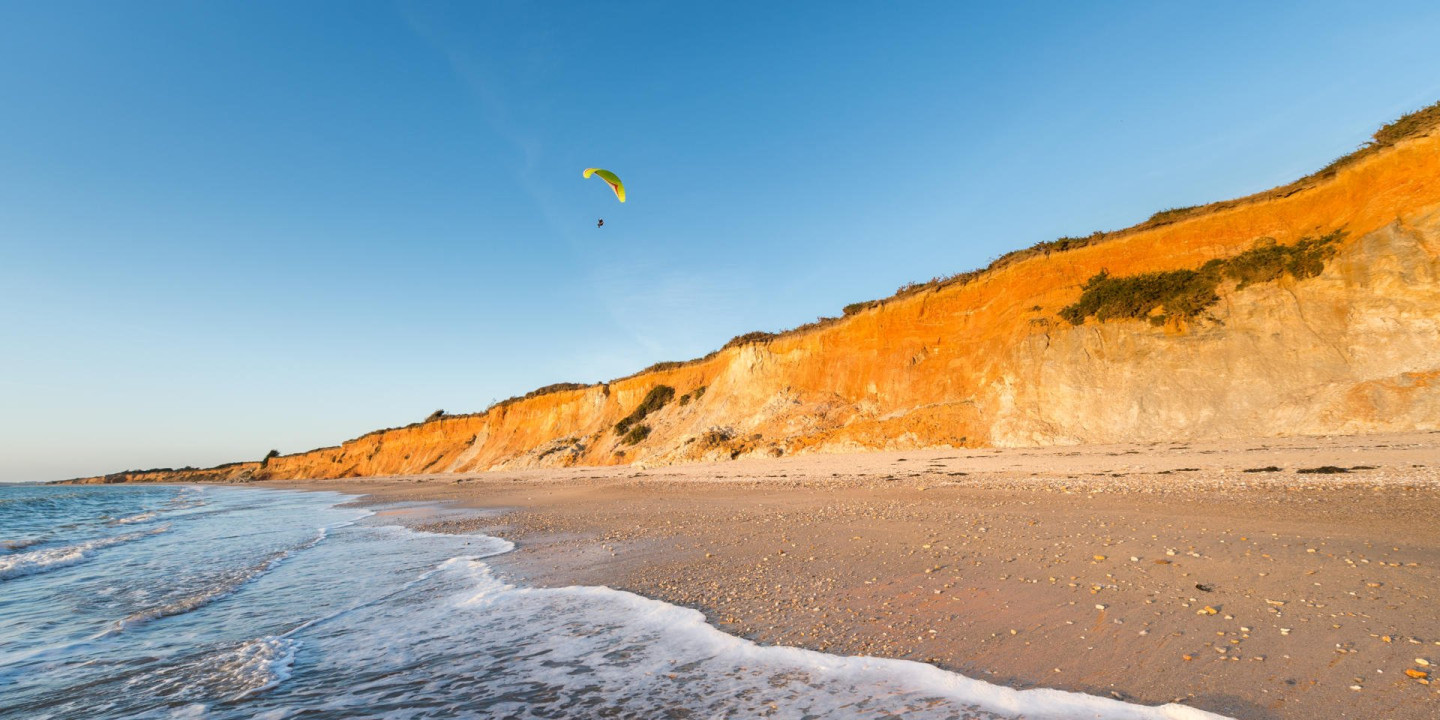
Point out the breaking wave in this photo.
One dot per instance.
(38, 561)
(215, 587)
(142, 517)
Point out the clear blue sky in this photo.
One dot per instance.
(232, 226)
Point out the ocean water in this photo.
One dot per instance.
(219, 602)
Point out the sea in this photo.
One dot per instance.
(232, 602)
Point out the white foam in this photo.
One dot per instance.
(458, 637)
(36, 561)
(228, 675)
(142, 517)
(226, 584)
(659, 639)
(20, 543)
(260, 664)
(390, 630)
(483, 545)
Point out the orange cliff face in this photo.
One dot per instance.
(989, 362)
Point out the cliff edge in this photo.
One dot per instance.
(1309, 309)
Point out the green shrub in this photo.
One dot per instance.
(695, 394)
(636, 434)
(654, 400)
(1186, 293)
(1269, 261)
(1179, 292)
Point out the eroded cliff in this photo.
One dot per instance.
(990, 360)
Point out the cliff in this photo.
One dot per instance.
(1262, 343)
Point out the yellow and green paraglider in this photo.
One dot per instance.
(610, 179)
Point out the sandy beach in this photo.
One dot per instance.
(1272, 579)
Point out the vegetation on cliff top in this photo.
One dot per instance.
(1179, 293)
(1186, 293)
(1411, 125)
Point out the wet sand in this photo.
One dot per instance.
(1213, 574)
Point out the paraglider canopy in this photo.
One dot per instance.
(611, 179)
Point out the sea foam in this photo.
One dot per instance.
(650, 657)
(37, 561)
(215, 587)
(365, 621)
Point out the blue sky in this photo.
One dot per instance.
(232, 226)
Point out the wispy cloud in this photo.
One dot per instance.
(487, 87)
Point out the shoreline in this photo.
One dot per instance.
(1152, 574)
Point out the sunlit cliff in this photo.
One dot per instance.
(987, 359)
